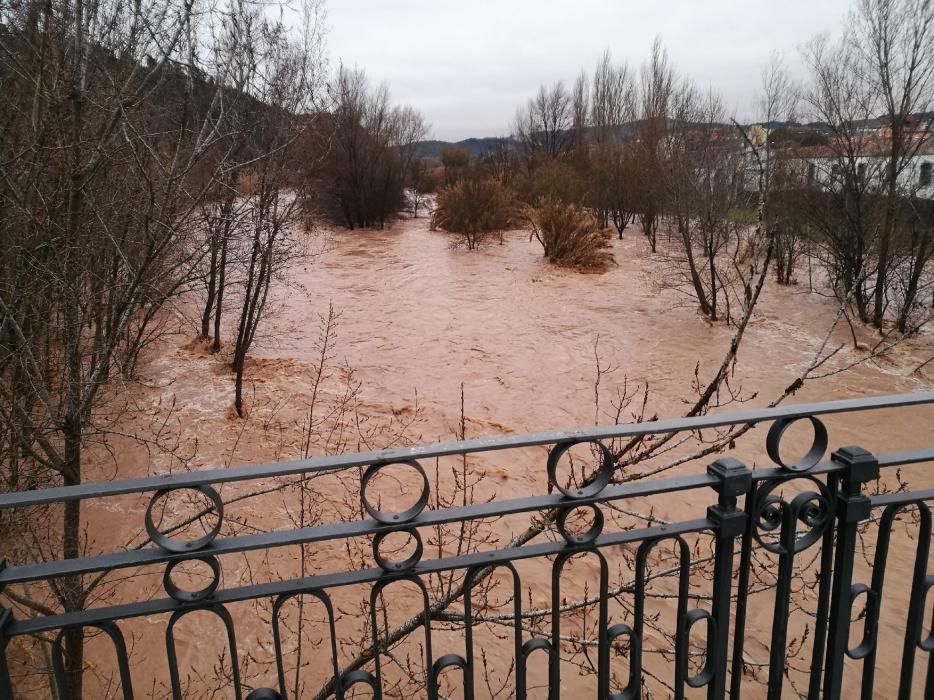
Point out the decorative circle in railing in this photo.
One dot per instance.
(389, 565)
(448, 661)
(530, 646)
(387, 517)
(183, 596)
(589, 535)
(619, 630)
(600, 479)
(264, 694)
(773, 514)
(814, 454)
(172, 545)
(360, 677)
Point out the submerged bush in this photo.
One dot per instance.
(571, 237)
(475, 209)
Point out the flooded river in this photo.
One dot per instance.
(417, 321)
(520, 334)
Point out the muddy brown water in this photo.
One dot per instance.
(418, 320)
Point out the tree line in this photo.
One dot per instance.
(158, 161)
(645, 144)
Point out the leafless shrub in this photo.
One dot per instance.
(570, 236)
(475, 209)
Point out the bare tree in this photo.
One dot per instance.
(544, 126)
(894, 53)
(118, 126)
(782, 171)
(285, 87)
(881, 73)
(613, 99)
(368, 151)
(221, 220)
(611, 175)
(842, 207)
(706, 164)
(580, 106)
(656, 87)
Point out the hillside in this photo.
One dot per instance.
(478, 147)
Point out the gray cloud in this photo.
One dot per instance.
(468, 65)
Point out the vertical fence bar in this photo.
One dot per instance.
(681, 634)
(779, 639)
(730, 522)
(6, 682)
(852, 507)
(823, 605)
(914, 624)
(742, 599)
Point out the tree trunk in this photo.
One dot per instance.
(695, 275)
(71, 587)
(219, 303)
(888, 229)
(711, 261)
(914, 280)
(212, 293)
(238, 385)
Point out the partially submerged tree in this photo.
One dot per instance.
(423, 181)
(368, 152)
(475, 208)
(843, 209)
(609, 158)
(894, 53)
(286, 85)
(880, 73)
(221, 220)
(703, 190)
(570, 237)
(782, 172)
(612, 179)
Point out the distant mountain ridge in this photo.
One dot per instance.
(478, 147)
(482, 147)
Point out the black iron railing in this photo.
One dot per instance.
(816, 504)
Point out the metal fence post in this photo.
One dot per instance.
(730, 522)
(6, 683)
(852, 507)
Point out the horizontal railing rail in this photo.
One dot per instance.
(361, 528)
(446, 449)
(748, 515)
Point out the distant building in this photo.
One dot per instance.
(865, 157)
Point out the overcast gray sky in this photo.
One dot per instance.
(468, 65)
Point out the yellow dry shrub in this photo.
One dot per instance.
(571, 237)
